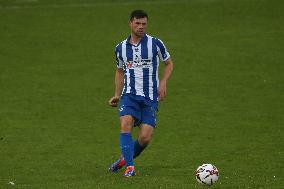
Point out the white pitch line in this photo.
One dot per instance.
(88, 5)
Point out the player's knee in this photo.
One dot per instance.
(126, 128)
(144, 140)
(126, 124)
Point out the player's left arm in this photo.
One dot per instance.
(162, 90)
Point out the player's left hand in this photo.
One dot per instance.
(162, 90)
(113, 101)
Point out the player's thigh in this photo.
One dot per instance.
(126, 123)
(149, 115)
(145, 133)
(129, 111)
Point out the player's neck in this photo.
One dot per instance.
(135, 39)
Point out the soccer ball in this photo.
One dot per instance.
(207, 174)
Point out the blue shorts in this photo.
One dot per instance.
(142, 109)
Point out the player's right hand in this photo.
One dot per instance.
(113, 102)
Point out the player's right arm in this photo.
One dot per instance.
(119, 76)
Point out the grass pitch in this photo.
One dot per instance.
(224, 103)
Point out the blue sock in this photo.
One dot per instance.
(138, 149)
(126, 145)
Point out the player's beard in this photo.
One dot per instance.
(140, 33)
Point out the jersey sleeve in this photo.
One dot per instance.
(162, 51)
(119, 62)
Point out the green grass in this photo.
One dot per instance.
(224, 103)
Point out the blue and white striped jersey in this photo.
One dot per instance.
(140, 65)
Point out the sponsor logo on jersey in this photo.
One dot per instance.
(142, 63)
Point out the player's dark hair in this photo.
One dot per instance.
(138, 14)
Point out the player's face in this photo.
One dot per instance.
(138, 26)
